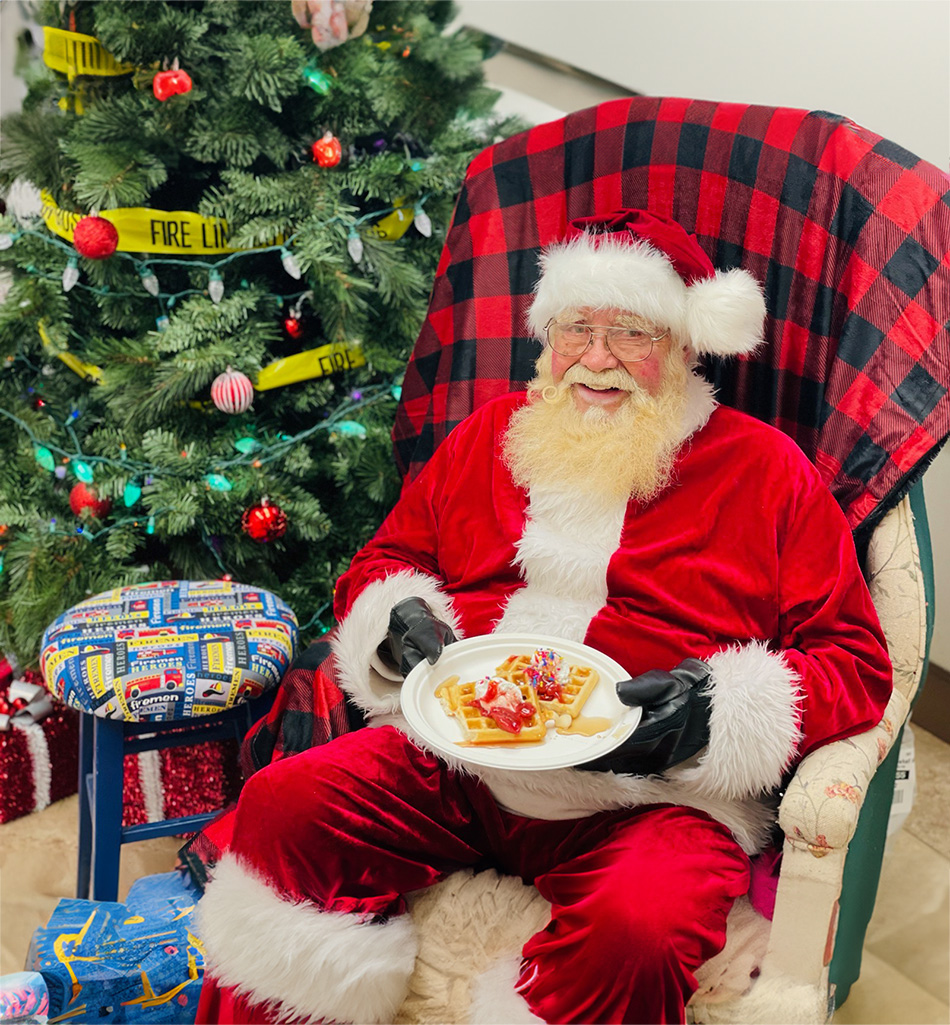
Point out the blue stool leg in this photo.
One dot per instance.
(86, 748)
(107, 807)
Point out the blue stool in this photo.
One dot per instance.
(154, 666)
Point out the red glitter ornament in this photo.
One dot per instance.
(82, 497)
(95, 237)
(170, 83)
(264, 522)
(327, 151)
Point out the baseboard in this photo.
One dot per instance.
(932, 710)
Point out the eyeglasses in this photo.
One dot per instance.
(628, 344)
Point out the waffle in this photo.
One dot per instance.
(575, 690)
(478, 729)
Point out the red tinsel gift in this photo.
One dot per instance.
(39, 764)
(38, 760)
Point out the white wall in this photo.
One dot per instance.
(883, 63)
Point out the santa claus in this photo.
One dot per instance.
(616, 504)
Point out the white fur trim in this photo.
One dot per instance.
(366, 625)
(494, 998)
(769, 1001)
(308, 964)
(570, 794)
(754, 724)
(722, 315)
(563, 554)
(628, 275)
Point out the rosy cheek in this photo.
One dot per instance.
(560, 365)
(648, 373)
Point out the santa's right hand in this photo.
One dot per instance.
(415, 633)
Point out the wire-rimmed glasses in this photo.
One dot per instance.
(628, 344)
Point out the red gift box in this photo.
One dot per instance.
(39, 764)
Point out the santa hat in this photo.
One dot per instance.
(650, 265)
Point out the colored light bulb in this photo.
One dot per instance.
(354, 246)
(82, 470)
(70, 273)
(290, 263)
(215, 287)
(149, 281)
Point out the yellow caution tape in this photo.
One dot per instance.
(327, 359)
(73, 53)
(74, 363)
(142, 230)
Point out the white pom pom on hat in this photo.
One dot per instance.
(647, 264)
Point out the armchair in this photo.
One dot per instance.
(850, 234)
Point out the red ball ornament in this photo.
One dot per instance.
(83, 498)
(264, 522)
(171, 83)
(95, 238)
(232, 391)
(327, 151)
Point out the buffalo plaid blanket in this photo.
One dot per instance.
(849, 234)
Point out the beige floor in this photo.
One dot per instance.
(906, 970)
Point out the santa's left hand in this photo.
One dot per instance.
(675, 722)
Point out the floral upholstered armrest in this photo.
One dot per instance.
(821, 806)
(820, 809)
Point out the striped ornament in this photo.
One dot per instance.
(232, 391)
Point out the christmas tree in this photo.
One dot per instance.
(205, 326)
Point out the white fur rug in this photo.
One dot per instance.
(468, 922)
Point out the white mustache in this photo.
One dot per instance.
(614, 378)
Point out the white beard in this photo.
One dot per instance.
(630, 453)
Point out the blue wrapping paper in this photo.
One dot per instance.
(134, 962)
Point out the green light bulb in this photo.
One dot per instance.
(45, 458)
(131, 494)
(217, 483)
(82, 470)
(351, 429)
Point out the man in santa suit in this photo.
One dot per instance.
(614, 504)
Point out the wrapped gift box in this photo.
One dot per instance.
(38, 762)
(137, 961)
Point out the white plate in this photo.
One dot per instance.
(476, 657)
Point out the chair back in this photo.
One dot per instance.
(848, 233)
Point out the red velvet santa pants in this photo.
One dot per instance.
(639, 897)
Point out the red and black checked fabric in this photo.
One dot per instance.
(848, 232)
(309, 709)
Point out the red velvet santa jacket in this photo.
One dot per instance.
(743, 560)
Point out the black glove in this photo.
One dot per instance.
(415, 633)
(675, 723)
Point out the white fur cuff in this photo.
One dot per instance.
(308, 964)
(754, 724)
(365, 626)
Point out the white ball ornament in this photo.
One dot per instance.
(232, 391)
